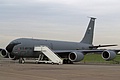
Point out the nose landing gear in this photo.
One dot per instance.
(21, 60)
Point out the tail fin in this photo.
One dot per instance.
(88, 38)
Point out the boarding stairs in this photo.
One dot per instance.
(53, 58)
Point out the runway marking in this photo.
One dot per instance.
(27, 75)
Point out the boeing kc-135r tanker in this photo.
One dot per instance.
(68, 52)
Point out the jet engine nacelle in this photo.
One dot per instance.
(13, 57)
(108, 55)
(4, 53)
(76, 56)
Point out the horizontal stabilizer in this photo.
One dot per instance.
(101, 46)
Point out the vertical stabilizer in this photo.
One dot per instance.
(88, 37)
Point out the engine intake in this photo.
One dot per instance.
(76, 56)
(4, 53)
(108, 55)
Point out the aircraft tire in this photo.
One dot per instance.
(67, 61)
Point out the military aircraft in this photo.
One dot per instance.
(70, 51)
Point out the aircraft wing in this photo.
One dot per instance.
(78, 55)
(99, 51)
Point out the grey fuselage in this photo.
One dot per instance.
(24, 47)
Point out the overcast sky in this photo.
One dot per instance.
(59, 20)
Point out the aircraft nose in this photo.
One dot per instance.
(10, 47)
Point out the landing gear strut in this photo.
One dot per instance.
(21, 60)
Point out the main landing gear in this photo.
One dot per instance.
(67, 61)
